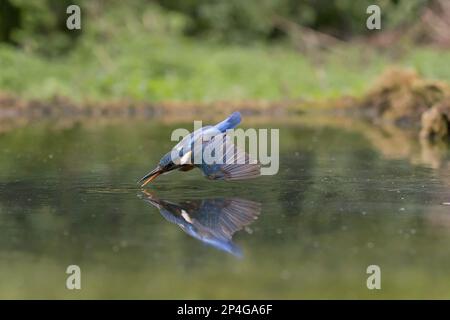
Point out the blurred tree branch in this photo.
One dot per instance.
(304, 39)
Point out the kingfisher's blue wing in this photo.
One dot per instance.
(188, 141)
(229, 123)
(186, 145)
(234, 163)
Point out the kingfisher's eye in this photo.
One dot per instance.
(170, 165)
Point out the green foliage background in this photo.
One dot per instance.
(31, 23)
(196, 50)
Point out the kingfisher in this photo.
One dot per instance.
(212, 221)
(184, 155)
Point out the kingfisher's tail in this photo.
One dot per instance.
(229, 123)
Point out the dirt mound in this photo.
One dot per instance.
(435, 122)
(404, 98)
(401, 97)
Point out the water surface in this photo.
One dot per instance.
(346, 197)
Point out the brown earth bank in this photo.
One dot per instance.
(61, 107)
(399, 97)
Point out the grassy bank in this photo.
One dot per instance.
(154, 69)
(141, 53)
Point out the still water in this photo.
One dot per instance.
(347, 196)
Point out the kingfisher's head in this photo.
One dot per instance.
(166, 164)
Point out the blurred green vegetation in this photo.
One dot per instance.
(241, 21)
(195, 50)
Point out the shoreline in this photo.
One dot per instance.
(13, 107)
(399, 97)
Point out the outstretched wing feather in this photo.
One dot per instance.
(235, 165)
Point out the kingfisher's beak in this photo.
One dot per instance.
(152, 175)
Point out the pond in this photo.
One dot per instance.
(347, 196)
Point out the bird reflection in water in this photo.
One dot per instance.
(212, 221)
